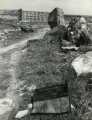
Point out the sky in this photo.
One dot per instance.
(83, 7)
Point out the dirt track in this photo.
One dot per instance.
(9, 58)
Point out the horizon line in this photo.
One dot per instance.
(66, 14)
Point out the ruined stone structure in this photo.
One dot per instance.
(56, 18)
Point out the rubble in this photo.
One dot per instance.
(83, 64)
(21, 114)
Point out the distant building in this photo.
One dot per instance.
(37, 16)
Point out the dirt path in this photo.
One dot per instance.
(9, 58)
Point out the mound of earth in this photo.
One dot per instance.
(44, 64)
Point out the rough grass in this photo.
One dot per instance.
(44, 64)
(11, 35)
(15, 37)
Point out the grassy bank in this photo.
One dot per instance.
(44, 64)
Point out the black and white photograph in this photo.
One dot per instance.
(45, 59)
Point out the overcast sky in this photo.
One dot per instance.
(69, 6)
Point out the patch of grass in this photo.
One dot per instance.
(44, 64)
